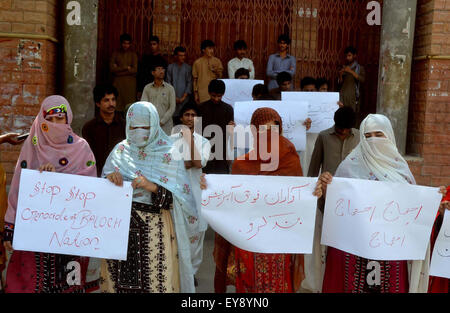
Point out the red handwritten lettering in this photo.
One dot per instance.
(286, 222)
(286, 195)
(79, 220)
(373, 239)
(77, 242)
(297, 188)
(42, 189)
(339, 207)
(277, 221)
(388, 240)
(86, 218)
(76, 194)
(272, 202)
(259, 227)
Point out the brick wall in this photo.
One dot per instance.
(429, 116)
(27, 67)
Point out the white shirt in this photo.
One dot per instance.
(203, 146)
(236, 64)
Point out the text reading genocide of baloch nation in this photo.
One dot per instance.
(75, 215)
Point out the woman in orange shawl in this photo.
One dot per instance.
(255, 272)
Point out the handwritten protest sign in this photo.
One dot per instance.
(262, 214)
(379, 220)
(293, 115)
(321, 107)
(72, 215)
(440, 260)
(237, 90)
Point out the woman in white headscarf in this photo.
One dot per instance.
(375, 158)
(158, 259)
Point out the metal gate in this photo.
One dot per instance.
(320, 31)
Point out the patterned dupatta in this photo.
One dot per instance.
(155, 162)
(51, 143)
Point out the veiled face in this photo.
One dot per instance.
(140, 127)
(375, 134)
(57, 119)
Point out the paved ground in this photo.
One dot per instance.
(205, 275)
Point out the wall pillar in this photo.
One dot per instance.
(80, 33)
(397, 39)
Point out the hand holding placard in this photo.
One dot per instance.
(252, 215)
(379, 220)
(72, 215)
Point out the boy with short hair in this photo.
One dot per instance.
(350, 78)
(124, 66)
(204, 70)
(281, 62)
(107, 128)
(179, 75)
(217, 112)
(145, 76)
(195, 159)
(284, 81)
(242, 73)
(162, 95)
(308, 84)
(322, 84)
(240, 61)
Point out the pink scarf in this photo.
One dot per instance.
(51, 143)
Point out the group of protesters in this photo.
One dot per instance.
(133, 139)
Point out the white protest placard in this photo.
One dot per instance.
(238, 90)
(72, 215)
(293, 115)
(379, 220)
(440, 260)
(322, 107)
(264, 214)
